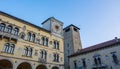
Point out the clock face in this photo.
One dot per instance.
(57, 27)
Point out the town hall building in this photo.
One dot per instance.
(24, 45)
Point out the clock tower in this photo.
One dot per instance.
(54, 26)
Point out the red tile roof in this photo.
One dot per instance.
(96, 47)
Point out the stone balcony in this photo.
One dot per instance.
(8, 35)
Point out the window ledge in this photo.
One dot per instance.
(56, 61)
(27, 56)
(7, 53)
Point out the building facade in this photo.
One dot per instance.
(72, 42)
(105, 55)
(24, 45)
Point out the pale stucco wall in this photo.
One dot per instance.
(105, 55)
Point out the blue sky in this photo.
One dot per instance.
(99, 20)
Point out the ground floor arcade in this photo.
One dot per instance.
(10, 63)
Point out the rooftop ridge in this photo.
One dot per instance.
(51, 18)
(21, 20)
(96, 47)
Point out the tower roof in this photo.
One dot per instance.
(52, 18)
(70, 26)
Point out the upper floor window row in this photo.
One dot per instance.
(9, 29)
(32, 37)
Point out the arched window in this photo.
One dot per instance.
(43, 54)
(28, 36)
(46, 41)
(11, 48)
(95, 60)
(56, 57)
(9, 29)
(2, 26)
(16, 31)
(43, 41)
(57, 45)
(6, 47)
(30, 52)
(33, 38)
(99, 60)
(25, 51)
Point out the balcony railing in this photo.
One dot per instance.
(5, 34)
(42, 60)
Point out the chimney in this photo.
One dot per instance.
(116, 39)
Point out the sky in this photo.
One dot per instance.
(98, 20)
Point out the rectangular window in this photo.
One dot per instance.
(115, 59)
(75, 64)
(84, 63)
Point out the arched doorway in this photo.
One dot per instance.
(55, 68)
(5, 64)
(41, 67)
(24, 65)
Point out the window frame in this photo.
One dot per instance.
(2, 26)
